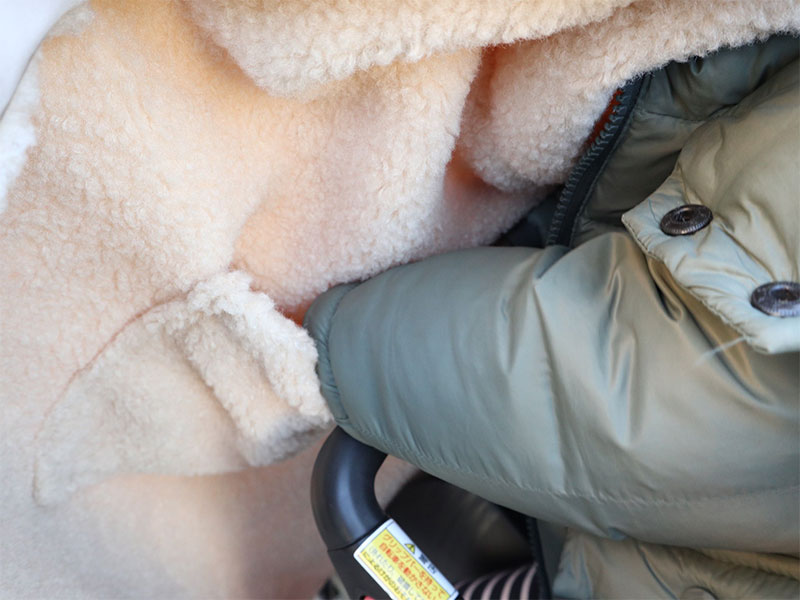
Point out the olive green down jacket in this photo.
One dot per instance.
(620, 382)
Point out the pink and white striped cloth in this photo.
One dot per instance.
(520, 583)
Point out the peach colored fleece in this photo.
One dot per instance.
(178, 176)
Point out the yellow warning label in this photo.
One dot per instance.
(400, 569)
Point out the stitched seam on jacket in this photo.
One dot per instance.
(719, 222)
(718, 113)
(398, 449)
(748, 336)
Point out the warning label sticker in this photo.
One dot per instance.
(395, 562)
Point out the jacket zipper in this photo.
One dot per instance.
(584, 175)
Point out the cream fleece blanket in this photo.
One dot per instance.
(179, 177)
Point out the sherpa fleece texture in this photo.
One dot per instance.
(179, 176)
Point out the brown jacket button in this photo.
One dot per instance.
(778, 298)
(686, 219)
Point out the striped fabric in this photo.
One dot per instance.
(520, 583)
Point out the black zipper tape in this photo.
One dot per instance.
(584, 175)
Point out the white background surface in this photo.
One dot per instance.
(23, 25)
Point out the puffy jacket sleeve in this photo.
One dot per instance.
(582, 387)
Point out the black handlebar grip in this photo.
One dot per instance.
(345, 507)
